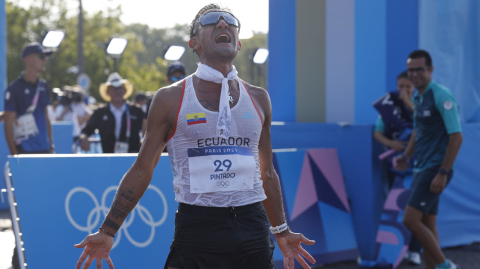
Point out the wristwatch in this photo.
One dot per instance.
(443, 171)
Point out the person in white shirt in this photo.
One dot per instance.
(72, 108)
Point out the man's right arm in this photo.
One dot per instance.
(10, 117)
(401, 163)
(138, 177)
(161, 124)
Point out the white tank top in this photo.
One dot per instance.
(196, 130)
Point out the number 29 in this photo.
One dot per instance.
(226, 163)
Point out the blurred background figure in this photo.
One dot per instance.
(396, 114)
(27, 126)
(28, 129)
(175, 72)
(72, 108)
(118, 123)
(141, 100)
(393, 129)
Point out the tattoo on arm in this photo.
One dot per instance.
(117, 213)
(210, 105)
(129, 195)
(125, 206)
(110, 223)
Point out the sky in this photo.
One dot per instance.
(253, 14)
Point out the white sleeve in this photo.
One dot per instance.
(58, 111)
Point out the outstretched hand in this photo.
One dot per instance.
(289, 244)
(97, 246)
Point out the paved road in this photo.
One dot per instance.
(468, 257)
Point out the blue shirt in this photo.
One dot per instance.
(18, 97)
(435, 118)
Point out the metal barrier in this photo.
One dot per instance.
(15, 219)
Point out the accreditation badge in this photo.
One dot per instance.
(25, 127)
(222, 168)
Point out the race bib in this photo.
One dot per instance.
(25, 127)
(121, 147)
(224, 168)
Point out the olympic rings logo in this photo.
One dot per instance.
(223, 184)
(94, 217)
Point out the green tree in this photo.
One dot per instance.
(142, 61)
(156, 42)
(27, 25)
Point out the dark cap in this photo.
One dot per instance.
(175, 66)
(35, 47)
(140, 97)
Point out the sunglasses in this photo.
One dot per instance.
(176, 78)
(214, 17)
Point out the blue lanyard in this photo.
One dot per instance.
(32, 107)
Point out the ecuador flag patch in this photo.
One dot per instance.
(196, 118)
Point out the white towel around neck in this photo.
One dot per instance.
(224, 120)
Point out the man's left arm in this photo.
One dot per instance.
(288, 241)
(49, 130)
(447, 106)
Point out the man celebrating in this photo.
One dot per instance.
(224, 178)
(119, 123)
(27, 126)
(435, 141)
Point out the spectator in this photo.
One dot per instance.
(119, 123)
(175, 72)
(141, 100)
(394, 135)
(27, 126)
(72, 108)
(388, 134)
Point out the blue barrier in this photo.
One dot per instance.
(459, 209)
(63, 198)
(62, 137)
(43, 188)
(316, 203)
(360, 167)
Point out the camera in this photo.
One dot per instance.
(69, 95)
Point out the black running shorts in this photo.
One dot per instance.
(221, 237)
(422, 198)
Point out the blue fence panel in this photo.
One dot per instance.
(62, 136)
(61, 199)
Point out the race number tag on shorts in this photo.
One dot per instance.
(121, 147)
(224, 168)
(25, 127)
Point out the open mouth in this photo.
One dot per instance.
(223, 38)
